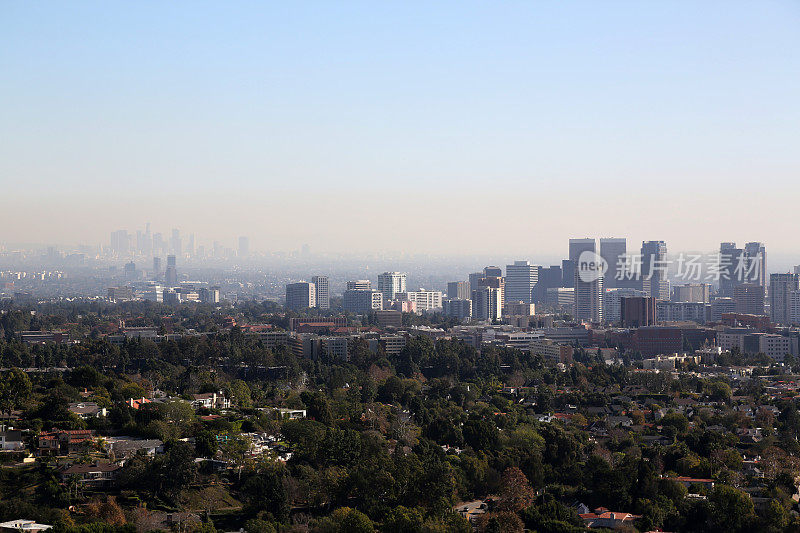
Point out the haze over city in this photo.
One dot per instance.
(454, 129)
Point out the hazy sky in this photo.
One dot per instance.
(459, 127)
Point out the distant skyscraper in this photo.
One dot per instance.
(244, 247)
(171, 273)
(130, 270)
(780, 291)
(588, 295)
(654, 274)
(567, 273)
(190, 247)
(692, 293)
(474, 278)
(578, 246)
(209, 295)
(731, 262)
(755, 254)
(322, 294)
(390, 283)
(362, 301)
(460, 308)
(493, 282)
(458, 290)
(549, 278)
(156, 267)
(521, 279)
(749, 298)
(492, 272)
(120, 242)
(613, 251)
(175, 242)
(612, 302)
(158, 244)
(638, 312)
(486, 303)
(300, 295)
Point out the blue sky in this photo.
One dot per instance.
(526, 122)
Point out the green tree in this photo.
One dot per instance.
(731, 509)
(205, 443)
(15, 390)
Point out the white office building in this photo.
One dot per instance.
(521, 278)
(391, 283)
(322, 294)
(425, 301)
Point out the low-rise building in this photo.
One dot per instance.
(210, 400)
(98, 475)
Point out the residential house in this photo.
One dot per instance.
(122, 447)
(11, 440)
(210, 400)
(87, 410)
(64, 441)
(21, 524)
(603, 518)
(97, 476)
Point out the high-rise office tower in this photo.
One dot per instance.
(175, 242)
(588, 295)
(474, 278)
(521, 279)
(780, 289)
(171, 273)
(492, 272)
(141, 242)
(121, 242)
(654, 265)
(460, 308)
(359, 285)
(692, 292)
(190, 246)
(588, 298)
(244, 247)
(322, 294)
(755, 254)
(458, 290)
(613, 251)
(130, 270)
(731, 263)
(612, 302)
(362, 300)
(300, 295)
(549, 278)
(493, 282)
(486, 303)
(638, 312)
(567, 273)
(390, 283)
(209, 295)
(576, 248)
(749, 298)
(158, 244)
(156, 267)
